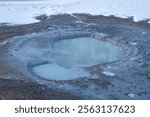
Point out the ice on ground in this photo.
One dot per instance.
(56, 72)
(108, 73)
(23, 12)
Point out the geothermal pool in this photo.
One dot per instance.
(86, 51)
(71, 55)
(56, 72)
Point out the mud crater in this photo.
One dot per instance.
(67, 55)
(110, 80)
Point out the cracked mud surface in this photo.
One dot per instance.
(129, 78)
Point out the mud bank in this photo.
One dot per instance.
(113, 80)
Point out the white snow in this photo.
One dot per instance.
(23, 12)
(120, 8)
(144, 33)
(56, 72)
(131, 95)
(134, 43)
(108, 73)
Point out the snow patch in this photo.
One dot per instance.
(108, 73)
(23, 12)
(144, 33)
(134, 43)
(131, 95)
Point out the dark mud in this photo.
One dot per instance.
(21, 90)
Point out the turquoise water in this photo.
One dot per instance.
(69, 54)
(56, 72)
(85, 51)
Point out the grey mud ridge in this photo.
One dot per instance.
(131, 74)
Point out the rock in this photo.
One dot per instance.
(42, 17)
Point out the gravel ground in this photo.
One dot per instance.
(21, 90)
(131, 74)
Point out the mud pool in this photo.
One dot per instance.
(72, 53)
(66, 58)
(43, 52)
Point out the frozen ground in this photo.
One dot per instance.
(23, 12)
